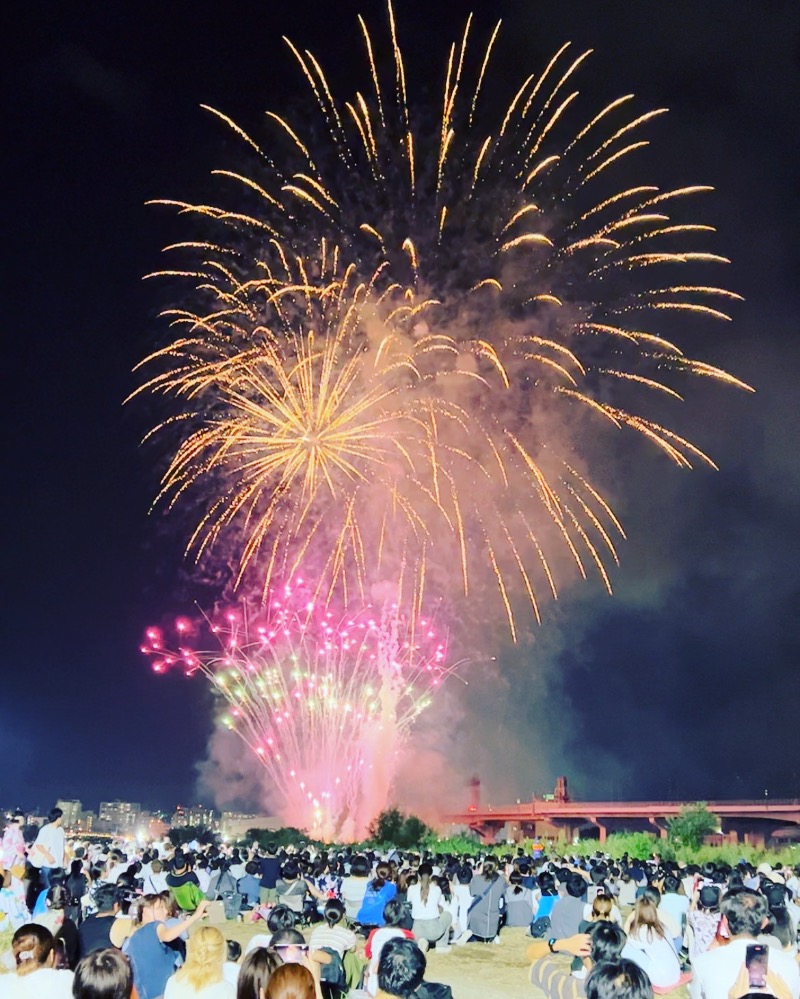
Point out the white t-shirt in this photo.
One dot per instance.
(47, 983)
(424, 910)
(51, 837)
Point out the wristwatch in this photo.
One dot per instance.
(551, 943)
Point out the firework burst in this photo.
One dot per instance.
(390, 321)
(324, 701)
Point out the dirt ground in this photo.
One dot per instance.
(475, 971)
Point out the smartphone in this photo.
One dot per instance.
(756, 959)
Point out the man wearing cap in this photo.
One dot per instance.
(744, 915)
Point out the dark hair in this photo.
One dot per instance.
(334, 912)
(652, 894)
(251, 867)
(490, 868)
(781, 926)
(401, 967)
(671, 884)
(382, 874)
(607, 941)
(234, 950)
(272, 848)
(464, 874)
(576, 886)
(547, 883)
(54, 814)
(255, 972)
(394, 912)
(103, 974)
(287, 938)
(281, 918)
(618, 980)
(359, 867)
(745, 911)
(35, 940)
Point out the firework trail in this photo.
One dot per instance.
(323, 700)
(390, 320)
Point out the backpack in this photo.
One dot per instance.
(540, 927)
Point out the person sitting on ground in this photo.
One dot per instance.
(354, 886)
(401, 970)
(201, 977)
(155, 880)
(149, 951)
(331, 933)
(488, 890)
(379, 891)
(35, 976)
(605, 941)
(702, 921)
(290, 947)
(648, 934)
(183, 883)
(94, 932)
(103, 974)
(744, 916)
(618, 980)
(567, 913)
(255, 973)
(248, 885)
(393, 915)
(291, 888)
(675, 901)
(431, 921)
(519, 902)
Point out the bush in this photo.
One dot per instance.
(692, 824)
(393, 828)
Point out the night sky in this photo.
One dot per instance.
(685, 683)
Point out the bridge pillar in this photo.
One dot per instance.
(602, 830)
(660, 826)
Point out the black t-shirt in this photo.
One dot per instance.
(270, 869)
(93, 934)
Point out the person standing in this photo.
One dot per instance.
(47, 853)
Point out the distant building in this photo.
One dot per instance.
(195, 815)
(118, 816)
(72, 812)
(234, 825)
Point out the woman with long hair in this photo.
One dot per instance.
(36, 975)
(431, 920)
(648, 934)
(255, 973)
(201, 977)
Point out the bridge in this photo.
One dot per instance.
(557, 816)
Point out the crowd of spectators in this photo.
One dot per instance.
(96, 920)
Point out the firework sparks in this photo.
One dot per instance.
(385, 330)
(323, 700)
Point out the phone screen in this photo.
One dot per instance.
(756, 961)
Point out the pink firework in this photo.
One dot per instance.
(323, 699)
